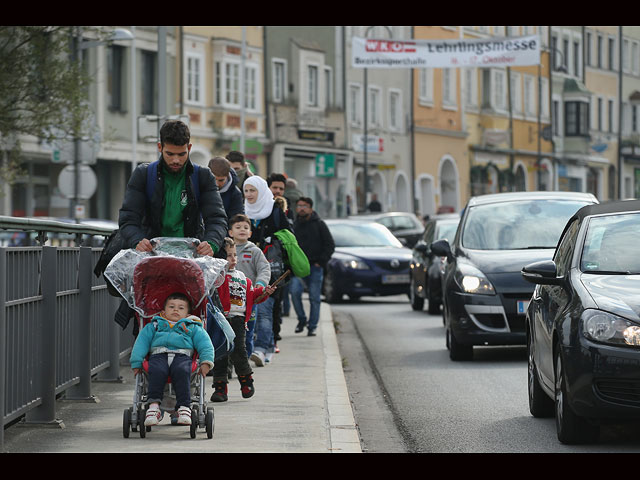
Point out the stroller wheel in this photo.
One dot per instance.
(210, 421)
(126, 422)
(141, 427)
(194, 422)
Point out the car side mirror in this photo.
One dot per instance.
(441, 248)
(421, 247)
(542, 273)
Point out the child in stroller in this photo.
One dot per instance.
(170, 339)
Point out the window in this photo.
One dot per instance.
(232, 84)
(610, 113)
(612, 54)
(576, 58)
(250, 87)
(355, 107)
(625, 55)
(556, 118)
(588, 48)
(328, 87)
(227, 83)
(576, 118)
(599, 51)
(194, 79)
(449, 87)
(115, 79)
(471, 87)
(544, 101)
(634, 118)
(564, 253)
(499, 90)
(395, 110)
(312, 85)
(426, 85)
(599, 114)
(374, 106)
(279, 78)
(635, 58)
(148, 82)
(516, 93)
(529, 96)
(565, 54)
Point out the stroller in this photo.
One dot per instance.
(171, 267)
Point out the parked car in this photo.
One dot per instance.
(583, 323)
(426, 267)
(404, 225)
(484, 295)
(368, 260)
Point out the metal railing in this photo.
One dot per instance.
(57, 332)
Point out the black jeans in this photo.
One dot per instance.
(180, 372)
(238, 356)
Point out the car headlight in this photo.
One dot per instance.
(355, 264)
(608, 328)
(472, 280)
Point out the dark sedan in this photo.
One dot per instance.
(368, 260)
(484, 295)
(426, 268)
(583, 323)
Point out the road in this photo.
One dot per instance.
(409, 396)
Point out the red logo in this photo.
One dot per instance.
(389, 46)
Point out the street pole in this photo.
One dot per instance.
(134, 105)
(242, 88)
(620, 172)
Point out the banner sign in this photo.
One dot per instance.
(486, 52)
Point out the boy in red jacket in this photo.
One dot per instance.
(237, 296)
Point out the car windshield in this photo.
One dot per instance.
(362, 235)
(610, 245)
(446, 230)
(517, 225)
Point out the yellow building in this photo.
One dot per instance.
(210, 94)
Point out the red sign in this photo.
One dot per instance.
(390, 46)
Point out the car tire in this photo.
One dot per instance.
(331, 294)
(570, 428)
(417, 303)
(458, 351)
(540, 404)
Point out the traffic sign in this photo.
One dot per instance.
(87, 182)
(325, 165)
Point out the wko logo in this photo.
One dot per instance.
(389, 46)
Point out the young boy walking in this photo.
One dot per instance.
(171, 339)
(237, 296)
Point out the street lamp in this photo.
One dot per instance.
(118, 34)
(366, 119)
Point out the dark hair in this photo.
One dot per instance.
(239, 217)
(276, 177)
(219, 166)
(175, 132)
(305, 200)
(178, 296)
(228, 242)
(235, 156)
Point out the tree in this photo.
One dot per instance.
(43, 90)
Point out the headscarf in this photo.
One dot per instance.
(263, 205)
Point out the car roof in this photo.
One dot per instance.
(383, 214)
(607, 207)
(515, 196)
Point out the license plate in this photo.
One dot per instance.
(522, 306)
(395, 278)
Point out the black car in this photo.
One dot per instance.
(583, 323)
(426, 268)
(484, 296)
(406, 226)
(368, 260)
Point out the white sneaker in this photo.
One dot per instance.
(152, 417)
(258, 358)
(184, 416)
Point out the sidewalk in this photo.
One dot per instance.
(301, 405)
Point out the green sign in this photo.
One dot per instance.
(325, 165)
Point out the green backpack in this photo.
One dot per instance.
(298, 261)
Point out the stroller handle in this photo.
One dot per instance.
(154, 244)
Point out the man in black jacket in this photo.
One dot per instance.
(316, 242)
(173, 210)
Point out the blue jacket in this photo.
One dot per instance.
(232, 199)
(186, 334)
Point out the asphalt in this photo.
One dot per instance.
(301, 405)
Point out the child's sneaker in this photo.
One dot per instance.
(246, 386)
(184, 416)
(258, 358)
(220, 394)
(153, 416)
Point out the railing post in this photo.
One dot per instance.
(45, 414)
(112, 373)
(83, 337)
(3, 338)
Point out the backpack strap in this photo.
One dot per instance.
(152, 176)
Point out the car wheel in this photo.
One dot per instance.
(417, 303)
(540, 405)
(570, 427)
(458, 351)
(331, 294)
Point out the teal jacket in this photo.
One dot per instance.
(186, 334)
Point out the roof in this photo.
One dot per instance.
(607, 207)
(516, 196)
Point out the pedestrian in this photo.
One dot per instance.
(317, 243)
(237, 296)
(251, 262)
(170, 340)
(239, 164)
(277, 184)
(267, 217)
(291, 192)
(227, 182)
(171, 197)
(374, 205)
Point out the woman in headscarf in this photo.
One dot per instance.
(267, 217)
